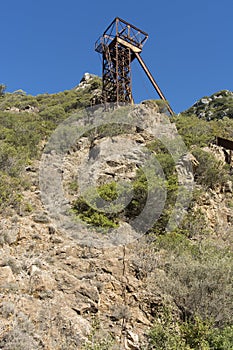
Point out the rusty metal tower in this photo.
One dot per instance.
(119, 45)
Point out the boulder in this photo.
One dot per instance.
(6, 277)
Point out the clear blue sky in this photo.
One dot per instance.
(47, 45)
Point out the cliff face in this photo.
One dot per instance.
(59, 293)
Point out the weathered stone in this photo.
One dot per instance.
(185, 168)
(79, 324)
(40, 217)
(84, 82)
(41, 280)
(132, 341)
(89, 291)
(228, 186)
(85, 308)
(6, 277)
(11, 235)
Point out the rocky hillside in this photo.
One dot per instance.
(102, 282)
(216, 106)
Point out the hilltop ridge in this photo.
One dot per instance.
(216, 106)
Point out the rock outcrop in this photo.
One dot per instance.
(216, 106)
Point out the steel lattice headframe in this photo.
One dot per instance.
(119, 45)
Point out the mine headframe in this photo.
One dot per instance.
(119, 45)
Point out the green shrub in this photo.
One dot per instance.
(146, 181)
(92, 216)
(169, 333)
(221, 339)
(10, 189)
(195, 131)
(210, 172)
(108, 191)
(165, 333)
(159, 105)
(200, 133)
(194, 224)
(53, 113)
(198, 278)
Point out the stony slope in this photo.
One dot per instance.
(58, 294)
(216, 106)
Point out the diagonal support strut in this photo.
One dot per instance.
(153, 82)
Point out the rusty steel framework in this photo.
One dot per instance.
(119, 45)
(227, 145)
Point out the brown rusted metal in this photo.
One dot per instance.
(119, 45)
(123, 31)
(153, 82)
(117, 73)
(228, 144)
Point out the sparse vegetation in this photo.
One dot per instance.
(210, 172)
(194, 279)
(197, 132)
(196, 335)
(189, 271)
(215, 107)
(23, 129)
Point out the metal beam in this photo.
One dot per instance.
(120, 44)
(228, 144)
(131, 25)
(153, 82)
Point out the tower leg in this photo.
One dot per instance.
(117, 74)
